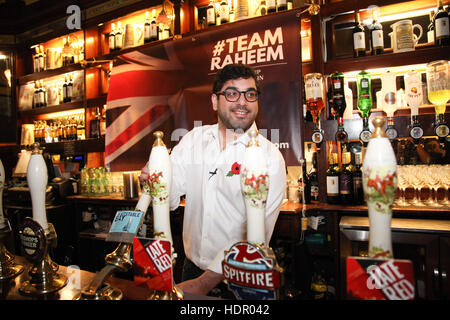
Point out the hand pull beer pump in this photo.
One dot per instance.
(120, 259)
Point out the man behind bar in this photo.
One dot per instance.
(205, 167)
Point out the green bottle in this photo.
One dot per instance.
(364, 103)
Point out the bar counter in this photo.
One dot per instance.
(9, 289)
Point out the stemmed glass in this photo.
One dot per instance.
(416, 179)
(445, 181)
(433, 178)
(402, 184)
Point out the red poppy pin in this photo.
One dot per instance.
(235, 169)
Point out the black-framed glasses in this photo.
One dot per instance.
(233, 95)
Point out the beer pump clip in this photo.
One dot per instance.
(250, 267)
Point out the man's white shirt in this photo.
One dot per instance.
(214, 213)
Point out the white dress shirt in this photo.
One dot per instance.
(214, 213)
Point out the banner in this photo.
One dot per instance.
(168, 87)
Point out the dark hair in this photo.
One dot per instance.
(231, 72)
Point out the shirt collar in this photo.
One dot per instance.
(213, 133)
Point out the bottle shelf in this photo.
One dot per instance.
(74, 147)
(422, 54)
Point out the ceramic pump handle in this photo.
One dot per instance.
(255, 187)
(37, 182)
(160, 180)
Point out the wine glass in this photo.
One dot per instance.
(416, 179)
(445, 181)
(438, 83)
(433, 178)
(402, 184)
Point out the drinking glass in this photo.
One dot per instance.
(402, 184)
(433, 179)
(416, 179)
(445, 182)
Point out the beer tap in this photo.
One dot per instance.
(414, 97)
(237, 270)
(37, 235)
(8, 268)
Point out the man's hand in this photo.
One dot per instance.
(203, 284)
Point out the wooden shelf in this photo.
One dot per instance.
(420, 55)
(75, 146)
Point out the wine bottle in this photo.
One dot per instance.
(69, 89)
(43, 94)
(41, 58)
(224, 12)
(359, 38)
(281, 5)
(211, 14)
(376, 35)
(95, 125)
(314, 179)
(262, 8)
(271, 6)
(65, 90)
(430, 30)
(37, 102)
(441, 26)
(147, 28)
(303, 182)
(358, 192)
(346, 180)
(112, 38)
(154, 29)
(333, 180)
(36, 60)
(118, 37)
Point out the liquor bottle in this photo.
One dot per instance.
(304, 184)
(95, 126)
(147, 28)
(314, 102)
(346, 179)
(70, 89)
(333, 180)
(430, 31)
(376, 35)
(358, 192)
(65, 91)
(211, 14)
(281, 5)
(224, 12)
(36, 96)
(314, 179)
(363, 82)
(102, 117)
(262, 11)
(112, 38)
(36, 60)
(154, 32)
(41, 58)
(339, 104)
(359, 38)
(271, 6)
(118, 37)
(43, 94)
(441, 26)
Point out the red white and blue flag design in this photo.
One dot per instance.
(167, 86)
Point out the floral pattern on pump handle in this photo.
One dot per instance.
(255, 188)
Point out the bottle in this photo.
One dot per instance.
(112, 38)
(154, 32)
(118, 37)
(211, 14)
(70, 89)
(271, 6)
(363, 82)
(358, 192)
(102, 118)
(36, 60)
(65, 95)
(95, 125)
(376, 35)
(441, 26)
(281, 5)
(262, 11)
(43, 94)
(314, 179)
(304, 185)
(359, 38)
(346, 179)
(41, 58)
(333, 180)
(36, 96)
(224, 12)
(430, 31)
(147, 28)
